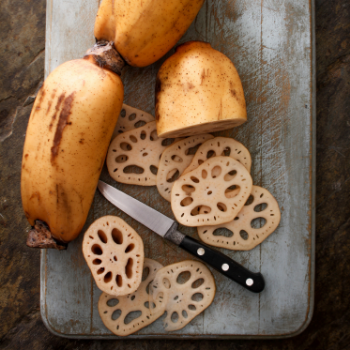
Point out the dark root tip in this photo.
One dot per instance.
(40, 237)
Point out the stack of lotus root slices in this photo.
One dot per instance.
(208, 183)
(205, 178)
(136, 291)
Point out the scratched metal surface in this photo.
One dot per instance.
(271, 44)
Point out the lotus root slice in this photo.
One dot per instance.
(128, 314)
(212, 194)
(133, 156)
(221, 146)
(254, 223)
(174, 160)
(131, 118)
(114, 253)
(187, 288)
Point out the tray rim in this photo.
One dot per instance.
(312, 230)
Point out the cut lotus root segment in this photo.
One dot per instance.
(212, 194)
(220, 146)
(114, 253)
(258, 218)
(174, 160)
(128, 314)
(187, 288)
(133, 156)
(131, 118)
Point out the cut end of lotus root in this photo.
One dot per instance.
(128, 314)
(220, 185)
(174, 160)
(259, 217)
(187, 288)
(204, 128)
(114, 253)
(133, 156)
(221, 146)
(131, 118)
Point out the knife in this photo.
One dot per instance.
(167, 228)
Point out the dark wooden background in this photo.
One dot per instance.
(22, 44)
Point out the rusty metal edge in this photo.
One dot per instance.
(310, 311)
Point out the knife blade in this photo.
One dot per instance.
(167, 228)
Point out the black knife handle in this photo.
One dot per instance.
(222, 263)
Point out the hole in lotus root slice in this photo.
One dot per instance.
(186, 201)
(131, 316)
(153, 169)
(102, 236)
(197, 283)
(197, 297)
(96, 249)
(129, 248)
(215, 172)
(133, 156)
(224, 200)
(117, 236)
(260, 207)
(172, 175)
(174, 317)
(124, 146)
(128, 268)
(221, 207)
(230, 175)
(136, 309)
(250, 227)
(183, 277)
(188, 189)
(121, 159)
(117, 269)
(223, 146)
(244, 234)
(112, 302)
(179, 296)
(250, 200)
(174, 160)
(232, 191)
(131, 118)
(108, 277)
(116, 314)
(201, 209)
(223, 231)
(133, 169)
(258, 222)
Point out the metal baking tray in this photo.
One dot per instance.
(272, 44)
